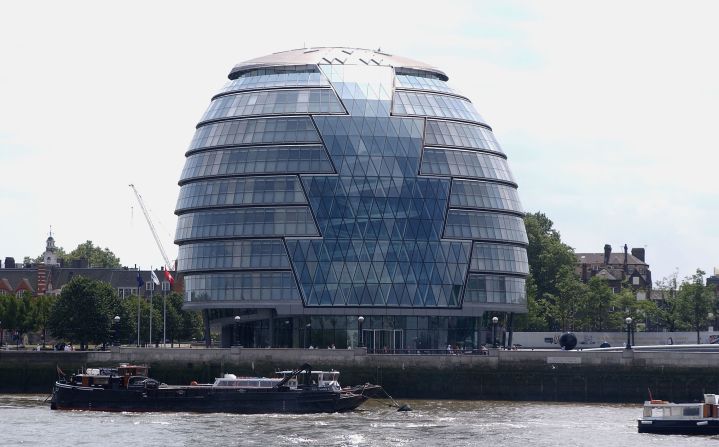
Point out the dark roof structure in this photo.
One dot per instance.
(614, 259)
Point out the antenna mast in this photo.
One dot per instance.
(168, 264)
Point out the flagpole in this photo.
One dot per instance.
(151, 309)
(164, 320)
(138, 314)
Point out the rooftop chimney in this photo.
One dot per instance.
(626, 256)
(607, 252)
(638, 253)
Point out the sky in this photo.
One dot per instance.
(606, 110)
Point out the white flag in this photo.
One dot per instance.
(154, 278)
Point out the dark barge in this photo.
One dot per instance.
(128, 388)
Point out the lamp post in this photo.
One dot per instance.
(287, 335)
(628, 321)
(308, 326)
(237, 330)
(360, 335)
(116, 321)
(495, 320)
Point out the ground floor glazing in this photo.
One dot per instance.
(409, 334)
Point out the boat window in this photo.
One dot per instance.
(691, 411)
(657, 412)
(266, 384)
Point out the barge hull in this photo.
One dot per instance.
(680, 427)
(202, 400)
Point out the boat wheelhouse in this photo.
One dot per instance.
(322, 379)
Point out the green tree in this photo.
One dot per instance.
(129, 324)
(181, 324)
(598, 304)
(695, 301)
(41, 307)
(9, 312)
(546, 252)
(547, 256)
(566, 304)
(17, 314)
(174, 317)
(191, 326)
(668, 315)
(84, 311)
(535, 319)
(96, 256)
(625, 305)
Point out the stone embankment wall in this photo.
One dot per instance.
(574, 376)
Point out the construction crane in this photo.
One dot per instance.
(167, 274)
(168, 264)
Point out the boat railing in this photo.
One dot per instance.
(466, 351)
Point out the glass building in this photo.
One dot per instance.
(327, 184)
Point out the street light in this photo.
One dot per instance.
(116, 320)
(495, 320)
(237, 329)
(628, 320)
(360, 335)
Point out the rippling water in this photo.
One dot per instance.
(28, 420)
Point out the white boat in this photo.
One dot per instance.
(662, 417)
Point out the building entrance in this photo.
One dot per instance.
(382, 340)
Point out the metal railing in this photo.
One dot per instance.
(387, 351)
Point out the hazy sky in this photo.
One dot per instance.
(606, 110)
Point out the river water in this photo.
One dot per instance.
(27, 420)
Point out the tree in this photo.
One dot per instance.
(695, 301)
(547, 256)
(535, 319)
(597, 305)
(565, 305)
(8, 312)
(95, 256)
(41, 307)
(84, 311)
(668, 315)
(181, 324)
(16, 314)
(174, 316)
(191, 326)
(625, 305)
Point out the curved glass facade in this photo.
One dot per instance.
(256, 160)
(324, 184)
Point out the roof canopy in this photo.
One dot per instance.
(332, 55)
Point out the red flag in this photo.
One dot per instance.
(169, 277)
